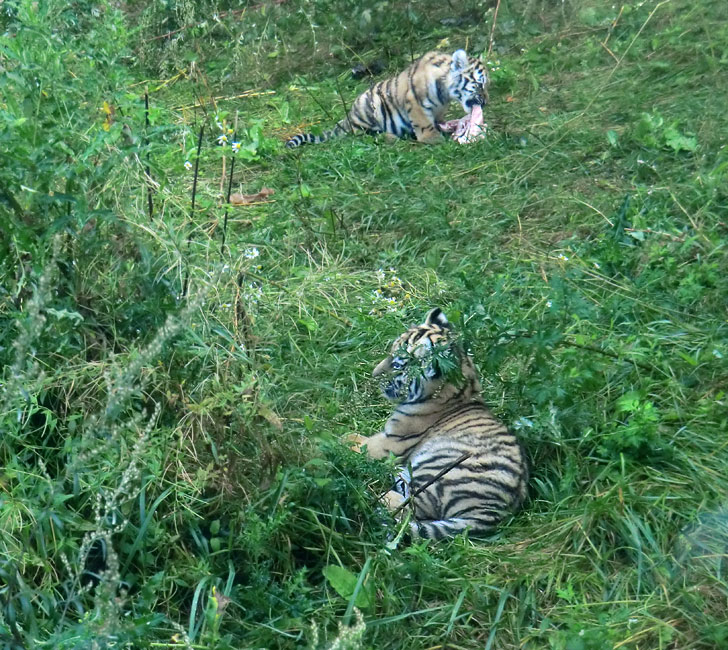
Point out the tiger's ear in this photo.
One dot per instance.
(459, 60)
(437, 317)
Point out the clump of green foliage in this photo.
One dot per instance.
(172, 409)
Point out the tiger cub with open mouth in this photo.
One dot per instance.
(413, 102)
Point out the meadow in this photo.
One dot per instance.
(178, 372)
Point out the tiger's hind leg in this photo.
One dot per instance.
(447, 528)
(393, 500)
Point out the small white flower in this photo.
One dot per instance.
(188, 165)
(563, 257)
(548, 303)
(596, 265)
(236, 147)
(251, 253)
(222, 139)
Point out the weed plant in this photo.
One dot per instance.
(172, 407)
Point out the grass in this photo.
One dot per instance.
(172, 468)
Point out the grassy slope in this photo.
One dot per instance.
(605, 348)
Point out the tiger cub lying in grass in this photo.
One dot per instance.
(413, 102)
(440, 419)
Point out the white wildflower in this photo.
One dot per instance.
(236, 147)
(222, 139)
(188, 165)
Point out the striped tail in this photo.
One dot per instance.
(342, 128)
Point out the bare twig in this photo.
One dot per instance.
(220, 15)
(492, 27)
(247, 93)
(283, 287)
(192, 207)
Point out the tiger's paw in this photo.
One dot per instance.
(392, 500)
(355, 441)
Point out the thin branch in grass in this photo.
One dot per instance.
(611, 29)
(192, 207)
(329, 116)
(222, 14)
(150, 201)
(649, 231)
(595, 96)
(343, 103)
(492, 27)
(437, 476)
(285, 289)
(223, 98)
(608, 353)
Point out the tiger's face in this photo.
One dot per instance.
(416, 367)
(468, 81)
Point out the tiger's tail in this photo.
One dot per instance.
(342, 128)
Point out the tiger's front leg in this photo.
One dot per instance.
(424, 126)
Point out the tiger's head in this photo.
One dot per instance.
(468, 81)
(423, 360)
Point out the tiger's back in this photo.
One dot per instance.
(466, 470)
(412, 102)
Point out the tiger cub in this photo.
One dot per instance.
(440, 419)
(413, 102)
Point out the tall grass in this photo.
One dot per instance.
(172, 471)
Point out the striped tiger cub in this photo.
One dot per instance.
(439, 420)
(413, 102)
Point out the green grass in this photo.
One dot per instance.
(172, 471)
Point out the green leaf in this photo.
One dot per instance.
(612, 138)
(629, 402)
(64, 313)
(344, 581)
(679, 142)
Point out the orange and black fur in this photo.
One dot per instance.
(413, 102)
(440, 418)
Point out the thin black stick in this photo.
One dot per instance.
(150, 202)
(440, 474)
(343, 103)
(192, 208)
(227, 204)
